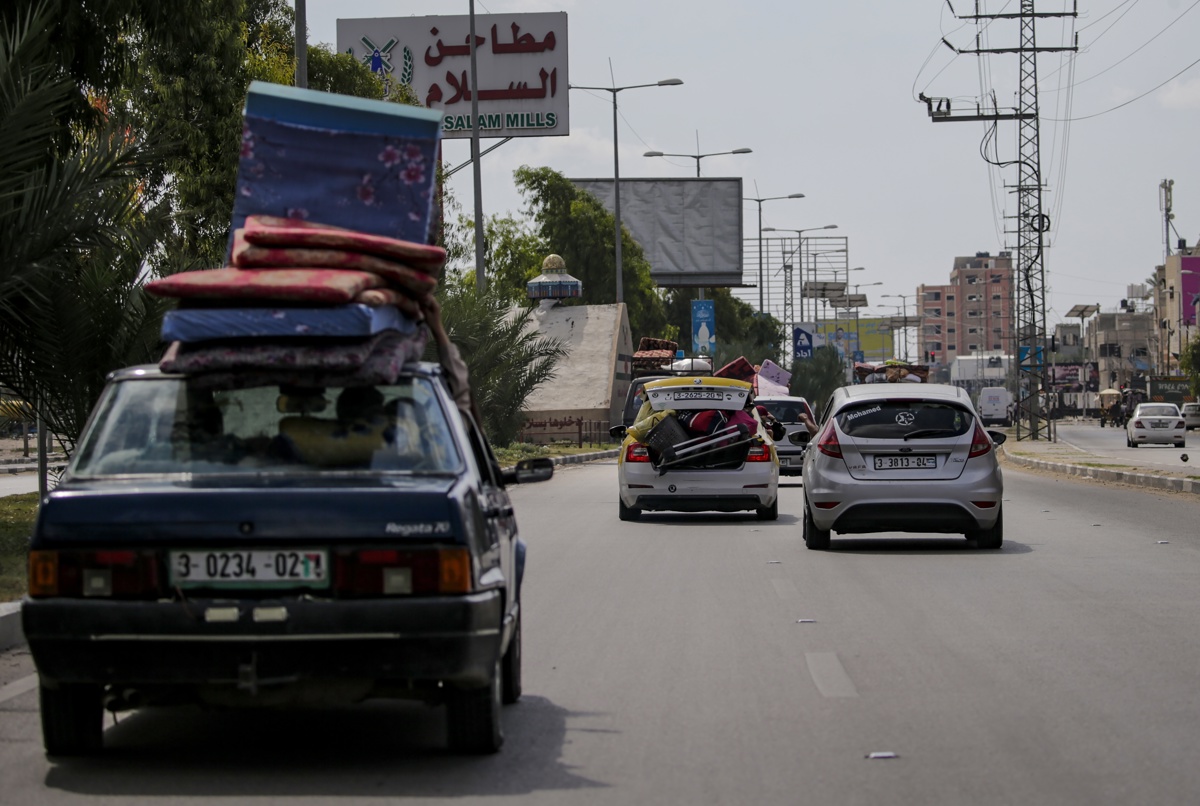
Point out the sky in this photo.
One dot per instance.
(825, 95)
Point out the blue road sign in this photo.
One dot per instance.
(802, 343)
(704, 327)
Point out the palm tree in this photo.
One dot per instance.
(72, 233)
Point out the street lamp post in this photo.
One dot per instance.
(857, 329)
(666, 82)
(761, 306)
(799, 244)
(698, 157)
(904, 298)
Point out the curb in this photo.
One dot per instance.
(1172, 483)
(11, 634)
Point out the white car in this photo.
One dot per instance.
(663, 466)
(902, 458)
(1155, 424)
(787, 410)
(1191, 415)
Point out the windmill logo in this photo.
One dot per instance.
(379, 59)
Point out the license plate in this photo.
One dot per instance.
(700, 394)
(1157, 425)
(905, 462)
(250, 567)
(784, 462)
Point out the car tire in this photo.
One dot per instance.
(1181, 444)
(815, 539)
(72, 719)
(473, 717)
(627, 513)
(992, 538)
(510, 666)
(770, 513)
(1132, 444)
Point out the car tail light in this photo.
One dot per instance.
(395, 572)
(1138, 424)
(1181, 424)
(758, 453)
(637, 452)
(94, 574)
(828, 443)
(981, 443)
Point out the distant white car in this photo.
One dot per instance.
(900, 457)
(1156, 424)
(1191, 415)
(787, 410)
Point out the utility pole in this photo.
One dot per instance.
(1032, 223)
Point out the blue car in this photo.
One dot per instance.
(233, 542)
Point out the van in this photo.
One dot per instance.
(995, 406)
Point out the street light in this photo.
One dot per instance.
(799, 242)
(760, 232)
(698, 157)
(666, 82)
(904, 298)
(857, 327)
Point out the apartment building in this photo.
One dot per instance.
(971, 314)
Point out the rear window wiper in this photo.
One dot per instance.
(929, 432)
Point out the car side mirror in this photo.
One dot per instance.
(998, 437)
(617, 432)
(527, 471)
(799, 437)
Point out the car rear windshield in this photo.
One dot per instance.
(172, 425)
(900, 419)
(786, 411)
(1158, 411)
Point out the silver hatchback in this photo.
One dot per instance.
(903, 458)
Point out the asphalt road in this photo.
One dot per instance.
(712, 659)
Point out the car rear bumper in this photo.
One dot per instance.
(906, 506)
(754, 485)
(1158, 436)
(451, 639)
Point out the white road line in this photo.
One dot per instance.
(785, 588)
(18, 687)
(828, 674)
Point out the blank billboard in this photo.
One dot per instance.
(689, 229)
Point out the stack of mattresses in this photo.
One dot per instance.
(327, 255)
(654, 355)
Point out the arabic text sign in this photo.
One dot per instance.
(522, 62)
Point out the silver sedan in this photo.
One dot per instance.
(903, 458)
(1156, 424)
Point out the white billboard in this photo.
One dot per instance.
(690, 229)
(522, 61)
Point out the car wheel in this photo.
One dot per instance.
(1181, 444)
(770, 513)
(991, 538)
(627, 513)
(473, 717)
(72, 719)
(814, 538)
(510, 666)
(1132, 444)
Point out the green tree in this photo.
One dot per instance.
(576, 226)
(1189, 363)
(815, 378)
(72, 225)
(513, 254)
(506, 360)
(741, 331)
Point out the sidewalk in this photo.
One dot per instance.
(1061, 457)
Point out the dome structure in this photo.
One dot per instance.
(554, 283)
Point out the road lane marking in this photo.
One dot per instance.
(18, 687)
(829, 675)
(785, 588)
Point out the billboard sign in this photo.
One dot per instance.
(1190, 288)
(704, 327)
(522, 62)
(802, 342)
(689, 229)
(1074, 377)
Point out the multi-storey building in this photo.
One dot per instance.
(970, 315)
